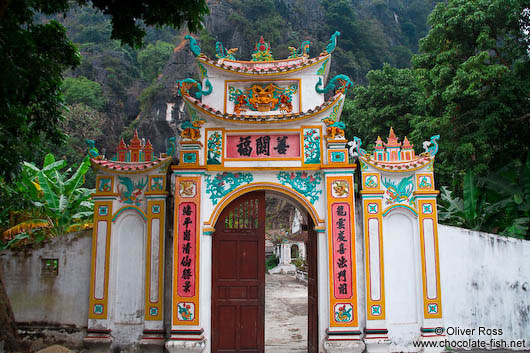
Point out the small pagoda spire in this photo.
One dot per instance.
(148, 151)
(379, 143)
(122, 151)
(392, 140)
(135, 146)
(406, 144)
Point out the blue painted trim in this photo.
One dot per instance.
(320, 230)
(139, 211)
(208, 233)
(400, 206)
(188, 173)
(372, 196)
(338, 172)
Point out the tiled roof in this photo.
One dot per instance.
(419, 162)
(116, 166)
(260, 67)
(263, 118)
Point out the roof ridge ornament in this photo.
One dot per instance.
(302, 52)
(184, 86)
(194, 46)
(332, 44)
(262, 51)
(343, 80)
(223, 53)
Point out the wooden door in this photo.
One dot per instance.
(238, 280)
(312, 288)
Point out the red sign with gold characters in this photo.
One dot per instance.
(263, 146)
(186, 252)
(342, 256)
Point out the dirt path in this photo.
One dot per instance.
(285, 315)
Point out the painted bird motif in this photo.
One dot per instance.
(401, 192)
(132, 192)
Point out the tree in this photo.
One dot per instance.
(32, 58)
(476, 76)
(34, 55)
(153, 58)
(391, 99)
(82, 90)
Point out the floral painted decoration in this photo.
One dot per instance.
(303, 182)
(223, 183)
(311, 146)
(215, 148)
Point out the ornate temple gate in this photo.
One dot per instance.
(257, 127)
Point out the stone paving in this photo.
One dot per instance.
(285, 314)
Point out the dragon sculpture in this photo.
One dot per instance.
(223, 53)
(191, 129)
(332, 44)
(92, 150)
(302, 52)
(343, 81)
(184, 86)
(354, 149)
(334, 128)
(431, 147)
(172, 147)
(194, 46)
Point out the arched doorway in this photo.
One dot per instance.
(238, 278)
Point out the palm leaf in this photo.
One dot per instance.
(26, 226)
(79, 226)
(51, 198)
(78, 178)
(48, 159)
(470, 196)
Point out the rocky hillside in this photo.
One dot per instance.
(136, 85)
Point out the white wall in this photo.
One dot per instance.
(485, 282)
(57, 306)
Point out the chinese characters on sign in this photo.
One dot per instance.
(263, 146)
(342, 266)
(186, 251)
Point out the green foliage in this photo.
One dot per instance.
(35, 51)
(473, 211)
(82, 90)
(271, 262)
(509, 189)
(301, 264)
(32, 59)
(476, 76)
(392, 98)
(153, 58)
(57, 202)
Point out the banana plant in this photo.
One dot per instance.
(473, 211)
(56, 202)
(509, 188)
